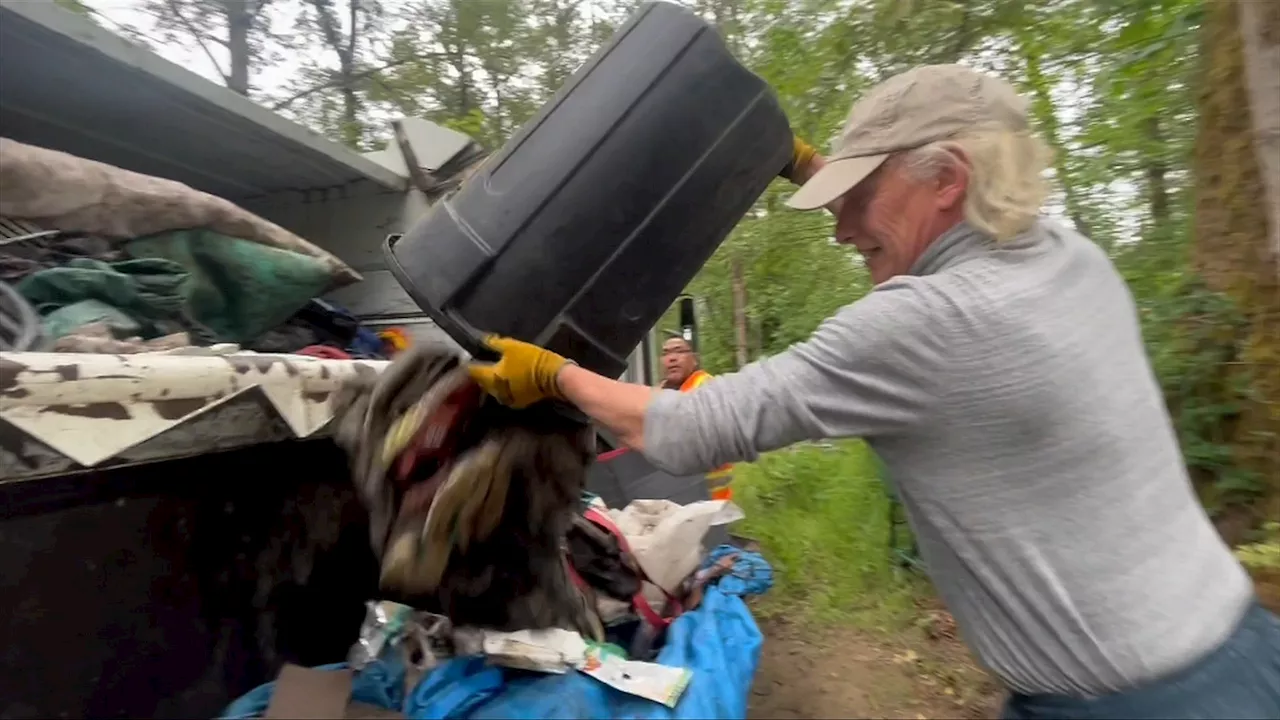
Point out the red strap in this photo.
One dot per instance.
(611, 454)
(324, 352)
(639, 601)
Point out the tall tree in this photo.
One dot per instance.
(334, 80)
(462, 64)
(1232, 246)
(237, 30)
(485, 67)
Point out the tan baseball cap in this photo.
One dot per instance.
(907, 111)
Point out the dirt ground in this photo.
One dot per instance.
(844, 673)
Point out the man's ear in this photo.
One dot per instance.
(953, 180)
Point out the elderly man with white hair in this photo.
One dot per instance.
(997, 368)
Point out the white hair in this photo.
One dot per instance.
(1006, 176)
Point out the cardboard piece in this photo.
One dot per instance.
(651, 681)
(308, 694)
(549, 650)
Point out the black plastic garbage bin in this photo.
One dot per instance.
(589, 222)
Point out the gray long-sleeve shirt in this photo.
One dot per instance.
(1007, 390)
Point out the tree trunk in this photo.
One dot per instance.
(1043, 110)
(1260, 30)
(352, 133)
(344, 47)
(457, 54)
(1156, 172)
(739, 312)
(239, 25)
(1232, 250)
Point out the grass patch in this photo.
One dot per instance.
(1262, 559)
(821, 515)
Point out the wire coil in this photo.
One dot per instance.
(20, 328)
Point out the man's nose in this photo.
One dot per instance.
(849, 224)
(847, 228)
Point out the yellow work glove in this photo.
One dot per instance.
(801, 155)
(524, 375)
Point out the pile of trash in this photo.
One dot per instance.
(113, 261)
(469, 501)
(704, 668)
(510, 591)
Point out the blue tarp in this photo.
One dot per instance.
(719, 642)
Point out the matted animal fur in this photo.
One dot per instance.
(469, 501)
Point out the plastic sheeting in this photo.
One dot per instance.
(719, 641)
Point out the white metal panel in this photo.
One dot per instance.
(351, 223)
(91, 407)
(379, 295)
(432, 145)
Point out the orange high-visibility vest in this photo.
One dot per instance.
(697, 378)
(718, 480)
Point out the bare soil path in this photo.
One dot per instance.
(845, 673)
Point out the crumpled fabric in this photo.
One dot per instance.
(22, 258)
(598, 557)
(237, 288)
(667, 540)
(324, 352)
(220, 289)
(151, 292)
(321, 322)
(751, 573)
(98, 337)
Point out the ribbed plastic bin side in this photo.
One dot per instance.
(588, 223)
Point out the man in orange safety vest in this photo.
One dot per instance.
(681, 372)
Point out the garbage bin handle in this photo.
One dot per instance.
(456, 328)
(460, 330)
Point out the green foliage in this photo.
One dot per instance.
(1192, 334)
(821, 515)
(1113, 85)
(1265, 553)
(76, 7)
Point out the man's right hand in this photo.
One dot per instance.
(523, 375)
(802, 155)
